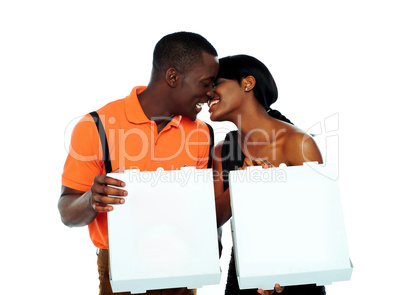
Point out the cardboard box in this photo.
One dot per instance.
(288, 226)
(165, 235)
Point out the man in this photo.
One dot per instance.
(155, 126)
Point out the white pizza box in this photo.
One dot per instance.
(288, 226)
(165, 234)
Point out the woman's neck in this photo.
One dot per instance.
(254, 127)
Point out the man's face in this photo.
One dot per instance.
(196, 87)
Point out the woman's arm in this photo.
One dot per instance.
(222, 198)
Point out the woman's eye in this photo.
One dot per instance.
(216, 83)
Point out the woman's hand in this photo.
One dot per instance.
(278, 289)
(255, 162)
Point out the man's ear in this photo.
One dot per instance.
(248, 83)
(172, 77)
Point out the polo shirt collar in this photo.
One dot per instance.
(134, 111)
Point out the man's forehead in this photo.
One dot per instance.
(210, 58)
(207, 67)
(205, 60)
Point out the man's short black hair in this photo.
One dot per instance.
(180, 50)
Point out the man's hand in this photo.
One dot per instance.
(278, 289)
(105, 192)
(78, 208)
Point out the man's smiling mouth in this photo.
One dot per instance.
(198, 106)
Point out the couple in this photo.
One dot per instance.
(186, 73)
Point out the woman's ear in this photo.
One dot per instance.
(248, 83)
(172, 76)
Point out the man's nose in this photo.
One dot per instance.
(210, 94)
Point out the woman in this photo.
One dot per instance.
(244, 92)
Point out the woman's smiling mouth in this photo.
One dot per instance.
(212, 102)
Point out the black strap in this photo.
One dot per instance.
(105, 146)
(211, 145)
(232, 156)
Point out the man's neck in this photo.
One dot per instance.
(153, 103)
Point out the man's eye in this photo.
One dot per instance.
(206, 85)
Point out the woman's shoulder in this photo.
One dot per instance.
(294, 136)
(218, 148)
(289, 133)
(297, 135)
(300, 146)
(228, 142)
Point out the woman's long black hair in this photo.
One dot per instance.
(237, 67)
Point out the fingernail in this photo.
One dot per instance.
(122, 201)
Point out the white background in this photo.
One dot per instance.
(62, 59)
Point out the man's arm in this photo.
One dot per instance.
(78, 208)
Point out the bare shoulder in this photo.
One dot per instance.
(218, 151)
(300, 147)
(217, 167)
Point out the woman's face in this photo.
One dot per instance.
(227, 100)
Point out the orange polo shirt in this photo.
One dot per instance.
(134, 143)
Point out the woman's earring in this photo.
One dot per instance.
(246, 89)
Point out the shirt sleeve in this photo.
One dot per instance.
(84, 159)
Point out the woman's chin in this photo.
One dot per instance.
(215, 118)
(219, 116)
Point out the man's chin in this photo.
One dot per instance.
(192, 117)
